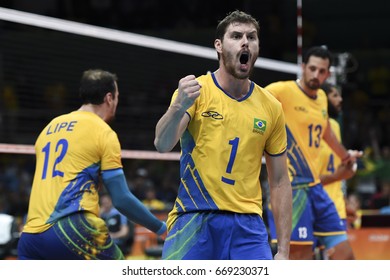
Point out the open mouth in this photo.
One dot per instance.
(244, 58)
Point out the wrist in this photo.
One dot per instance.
(162, 229)
(177, 108)
(346, 158)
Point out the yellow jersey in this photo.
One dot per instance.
(306, 121)
(222, 149)
(71, 151)
(328, 163)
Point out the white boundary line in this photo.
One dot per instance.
(130, 38)
(127, 154)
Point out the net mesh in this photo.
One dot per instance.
(42, 68)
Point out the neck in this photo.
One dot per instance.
(236, 88)
(309, 92)
(96, 109)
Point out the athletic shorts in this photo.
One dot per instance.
(217, 235)
(76, 237)
(314, 216)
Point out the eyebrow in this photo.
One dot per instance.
(254, 32)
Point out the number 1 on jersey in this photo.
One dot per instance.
(234, 142)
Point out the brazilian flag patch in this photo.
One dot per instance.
(259, 125)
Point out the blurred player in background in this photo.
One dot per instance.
(305, 108)
(117, 224)
(73, 153)
(333, 172)
(225, 122)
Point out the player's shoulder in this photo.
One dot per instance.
(267, 96)
(334, 123)
(265, 92)
(205, 77)
(280, 85)
(321, 93)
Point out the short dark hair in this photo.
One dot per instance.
(318, 51)
(95, 84)
(327, 88)
(236, 16)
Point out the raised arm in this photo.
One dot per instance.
(173, 123)
(281, 201)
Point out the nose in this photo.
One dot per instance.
(245, 40)
(316, 73)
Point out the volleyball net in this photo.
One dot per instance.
(42, 58)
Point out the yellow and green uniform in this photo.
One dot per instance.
(221, 158)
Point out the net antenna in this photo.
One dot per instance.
(114, 35)
(299, 37)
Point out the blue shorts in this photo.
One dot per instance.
(71, 238)
(217, 235)
(314, 216)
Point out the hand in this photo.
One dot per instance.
(281, 256)
(345, 171)
(353, 155)
(351, 212)
(189, 90)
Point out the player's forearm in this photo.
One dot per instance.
(328, 179)
(129, 205)
(343, 172)
(168, 129)
(332, 141)
(281, 204)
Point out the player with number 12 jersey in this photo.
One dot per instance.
(70, 142)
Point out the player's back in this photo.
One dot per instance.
(70, 152)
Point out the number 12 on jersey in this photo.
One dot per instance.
(62, 148)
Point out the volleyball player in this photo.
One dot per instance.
(73, 152)
(333, 173)
(225, 122)
(305, 108)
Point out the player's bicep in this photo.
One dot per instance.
(276, 168)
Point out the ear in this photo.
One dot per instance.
(218, 45)
(108, 98)
(329, 73)
(303, 65)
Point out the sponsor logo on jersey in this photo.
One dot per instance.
(212, 114)
(301, 109)
(324, 114)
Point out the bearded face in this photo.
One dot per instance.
(239, 50)
(238, 65)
